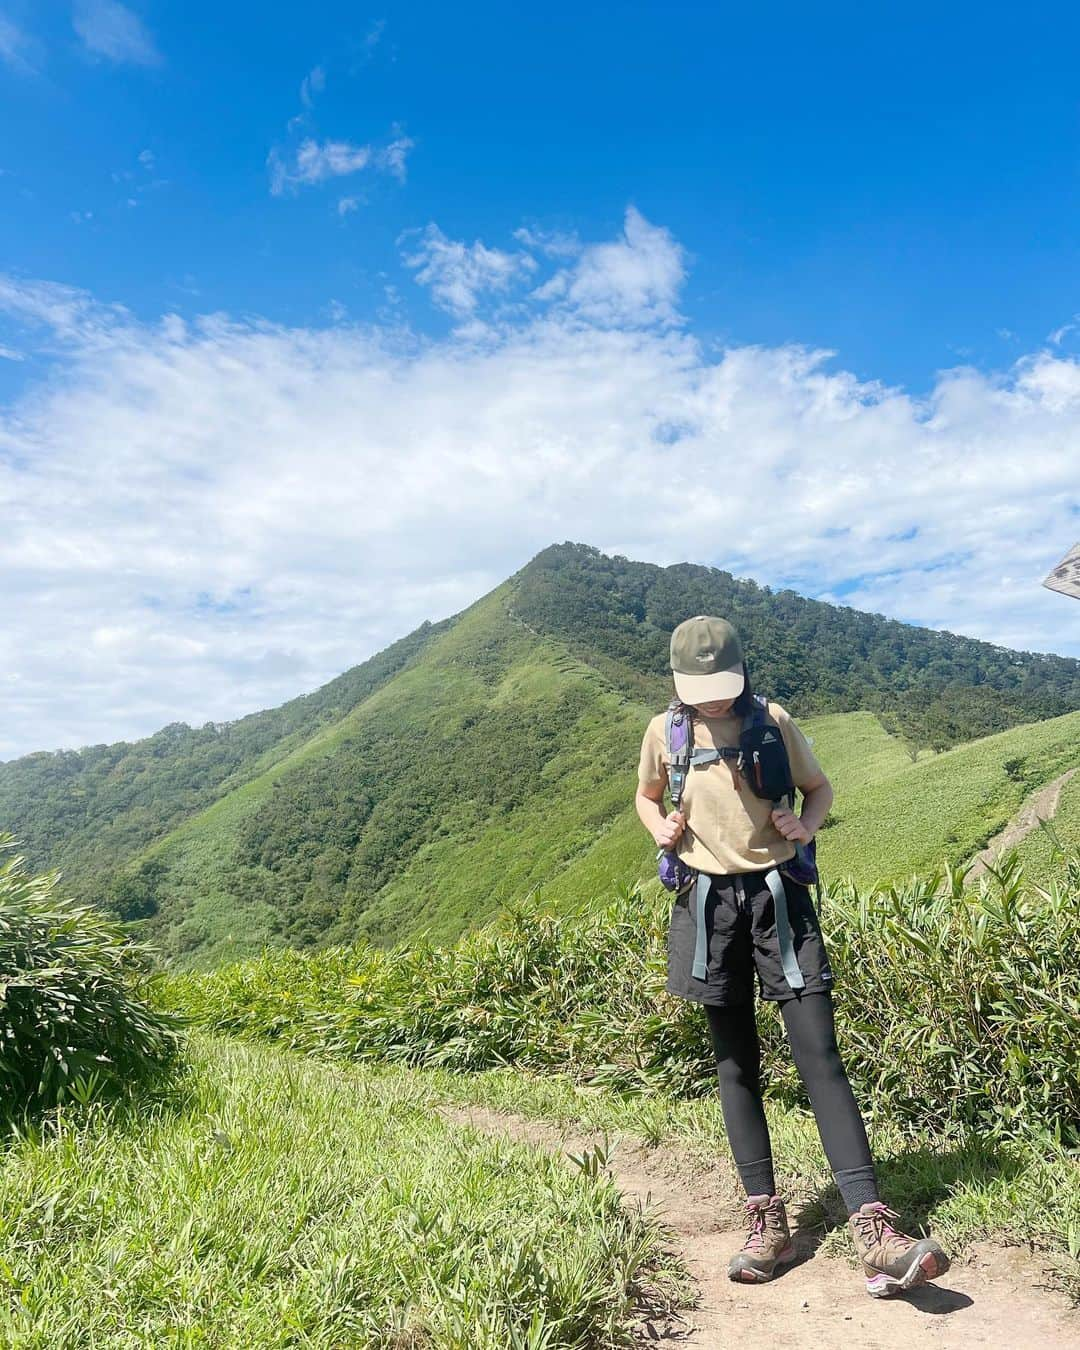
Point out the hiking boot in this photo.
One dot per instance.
(892, 1261)
(768, 1244)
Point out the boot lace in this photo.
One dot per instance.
(875, 1226)
(755, 1239)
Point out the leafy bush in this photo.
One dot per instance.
(956, 1009)
(74, 1019)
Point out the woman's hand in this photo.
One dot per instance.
(790, 826)
(669, 831)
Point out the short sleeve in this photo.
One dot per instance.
(804, 765)
(652, 766)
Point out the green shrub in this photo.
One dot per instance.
(956, 1009)
(74, 1018)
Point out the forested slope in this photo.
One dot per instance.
(86, 810)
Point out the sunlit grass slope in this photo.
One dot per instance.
(273, 1201)
(894, 817)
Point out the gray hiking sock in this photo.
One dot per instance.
(757, 1177)
(858, 1186)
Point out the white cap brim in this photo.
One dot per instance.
(714, 688)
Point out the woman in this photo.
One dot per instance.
(737, 838)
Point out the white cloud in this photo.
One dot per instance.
(314, 162)
(459, 273)
(10, 354)
(203, 518)
(632, 280)
(146, 159)
(347, 205)
(110, 29)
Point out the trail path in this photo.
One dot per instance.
(1041, 805)
(992, 1299)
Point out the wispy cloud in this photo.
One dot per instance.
(314, 82)
(1059, 334)
(551, 243)
(145, 440)
(16, 47)
(309, 161)
(458, 273)
(392, 157)
(113, 31)
(374, 35)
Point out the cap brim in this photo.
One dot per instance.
(714, 688)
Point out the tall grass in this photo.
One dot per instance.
(957, 1010)
(270, 1202)
(75, 1022)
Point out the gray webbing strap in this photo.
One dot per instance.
(788, 959)
(710, 756)
(701, 891)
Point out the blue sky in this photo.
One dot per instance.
(262, 266)
(900, 188)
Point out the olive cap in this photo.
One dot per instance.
(706, 660)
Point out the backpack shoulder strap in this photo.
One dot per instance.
(679, 741)
(759, 711)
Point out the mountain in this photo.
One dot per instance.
(493, 753)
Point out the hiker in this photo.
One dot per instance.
(725, 850)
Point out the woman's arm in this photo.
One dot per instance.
(649, 801)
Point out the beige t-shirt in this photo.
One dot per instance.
(728, 829)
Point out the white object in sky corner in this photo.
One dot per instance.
(1066, 575)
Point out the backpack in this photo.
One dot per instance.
(762, 761)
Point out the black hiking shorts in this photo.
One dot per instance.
(741, 939)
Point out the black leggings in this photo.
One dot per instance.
(809, 1024)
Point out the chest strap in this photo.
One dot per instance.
(710, 756)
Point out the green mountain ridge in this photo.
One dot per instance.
(492, 755)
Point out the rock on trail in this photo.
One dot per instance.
(989, 1298)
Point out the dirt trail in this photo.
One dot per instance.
(992, 1299)
(1041, 805)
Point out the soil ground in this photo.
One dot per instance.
(993, 1297)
